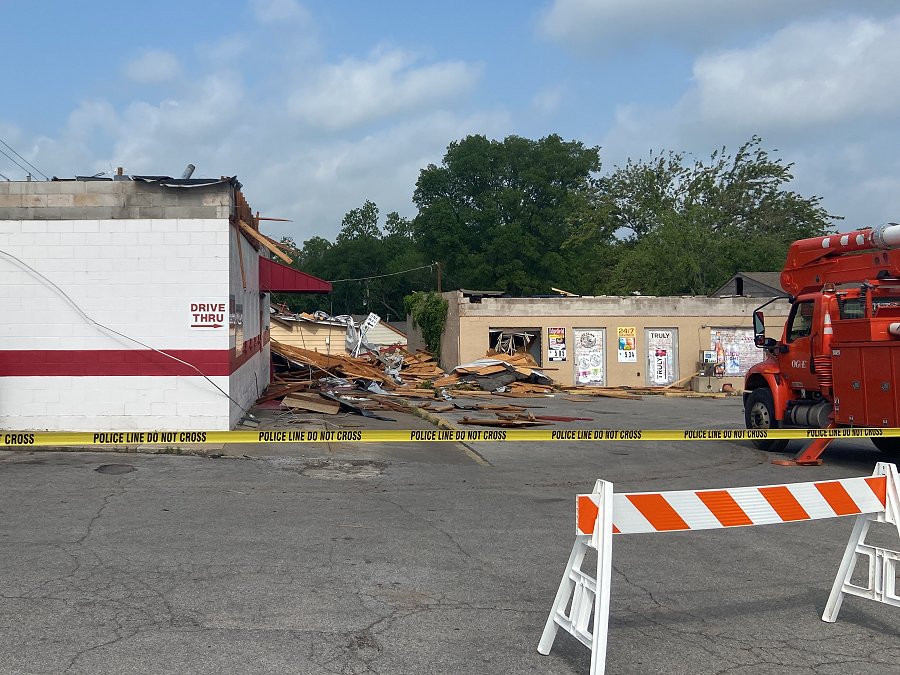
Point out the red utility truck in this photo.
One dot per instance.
(838, 361)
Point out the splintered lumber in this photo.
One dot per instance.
(278, 391)
(529, 388)
(607, 392)
(415, 393)
(678, 383)
(333, 364)
(481, 370)
(515, 416)
(446, 381)
(618, 394)
(487, 422)
(386, 402)
(694, 394)
(312, 403)
(519, 394)
(499, 407)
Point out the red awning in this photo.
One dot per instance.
(275, 277)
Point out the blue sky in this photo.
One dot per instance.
(317, 106)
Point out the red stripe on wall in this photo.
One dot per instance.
(125, 362)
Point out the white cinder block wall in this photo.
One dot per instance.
(252, 376)
(87, 305)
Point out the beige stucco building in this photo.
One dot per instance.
(612, 341)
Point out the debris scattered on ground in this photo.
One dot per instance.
(395, 379)
(505, 423)
(497, 370)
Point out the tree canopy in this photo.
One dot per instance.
(524, 216)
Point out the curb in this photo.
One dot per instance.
(442, 423)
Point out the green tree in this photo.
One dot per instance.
(667, 227)
(496, 213)
(428, 311)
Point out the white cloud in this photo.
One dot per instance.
(387, 83)
(549, 99)
(823, 93)
(152, 66)
(317, 181)
(597, 26)
(806, 74)
(227, 123)
(280, 11)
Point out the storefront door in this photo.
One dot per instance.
(662, 356)
(590, 355)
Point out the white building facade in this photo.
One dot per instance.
(133, 304)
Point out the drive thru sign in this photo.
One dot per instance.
(207, 314)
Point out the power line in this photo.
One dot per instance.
(380, 276)
(14, 161)
(46, 177)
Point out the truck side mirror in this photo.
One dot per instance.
(759, 329)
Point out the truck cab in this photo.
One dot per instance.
(838, 360)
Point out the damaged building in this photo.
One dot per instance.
(135, 303)
(635, 341)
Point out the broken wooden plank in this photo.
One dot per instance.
(693, 394)
(563, 418)
(263, 240)
(508, 424)
(678, 383)
(283, 390)
(311, 403)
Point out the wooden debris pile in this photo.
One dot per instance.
(498, 371)
(395, 379)
(412, 369)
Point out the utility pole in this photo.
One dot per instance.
(438, 276)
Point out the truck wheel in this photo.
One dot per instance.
(759, 413)
(889, 446)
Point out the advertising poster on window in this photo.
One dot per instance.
(735, 351)
(627, 344)
(661, 348)
(556, 344)
(589, 356)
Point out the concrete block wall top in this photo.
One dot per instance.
(106, 199)
(613, 306)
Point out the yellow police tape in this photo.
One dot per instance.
(132, 438)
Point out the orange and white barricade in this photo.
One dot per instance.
(581, 606)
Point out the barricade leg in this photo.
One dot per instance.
(588, 616)
(574, 580)
(602, 541)
(883, 564)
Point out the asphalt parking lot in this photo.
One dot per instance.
(415, 557)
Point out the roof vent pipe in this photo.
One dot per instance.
(188, 170)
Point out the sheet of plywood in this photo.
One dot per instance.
(311, 403)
